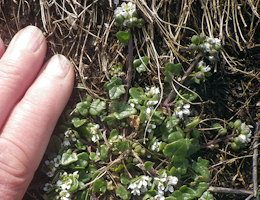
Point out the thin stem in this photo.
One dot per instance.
(130, 69)
(185, 76)
(255, 163)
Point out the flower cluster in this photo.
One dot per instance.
(207, 45)
(117, 70)
(69, 136)
(155, 146)
(182, 110)
(52, 165)
(211, 45)
(152, 92)
(140, 185)
(244, 136)
(164, 184)
(93, 130)
(126, 15)
(65, 183)
(202, 71)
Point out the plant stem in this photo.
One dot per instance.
(185, 76)
(130, 70)
(229, 190)
(255, 163)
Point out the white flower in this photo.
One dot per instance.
(140, 185)
(64, 195)
(206, 46)
(183, 110)
(148, 110)
(173, 180)
(159, 197)
(66, 143)
(126, 10)
(95, 138)
(213, 41)
(165, 183)
(129, 8)
(64, 184)
(152, 92)
(68, 137)
(155, 146)
(244, 138)
(65, 180)
(206, 69)
(116, 2)
(152, 102)
(53, 165)
(47, 187)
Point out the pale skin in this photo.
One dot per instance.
(33, 94)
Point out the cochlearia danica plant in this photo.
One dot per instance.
(142, 141)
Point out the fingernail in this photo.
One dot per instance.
(58, 66)
(29, 38)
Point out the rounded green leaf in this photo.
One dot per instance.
(68, 158)
(122, 192)
(177, 150)
(116, 91)
(173, 68)
(77, 122)
(123, 36)
(96, 107)
(83, 108)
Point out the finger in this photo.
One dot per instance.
(19, 66)
(2, 47)
(28, 129)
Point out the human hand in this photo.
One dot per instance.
(31, 101)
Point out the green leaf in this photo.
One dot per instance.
(68, 158)
(194, 146)
(103, 152)
(180, 168)
(111, 120)
(137, 93)
(99, 186)
(115, 81)
(117, 168)
(123, 36)
(174, 136)
(83, 108)
(80, 145)
(148, 165)
(123, 145)
(74, 184)
(141, 64)
(96, 107)
(201, 169)
(116, 91)
(122, 192)
(82, 160)
(122, 109)
(93, 156)
(124, 180)
(173, 68)
(196, 39)
(190, 193)
(194, 123)
(177, 150)
(77, 122)
(83, 176)
(206, 196)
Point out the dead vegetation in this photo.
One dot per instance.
(83, 31)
